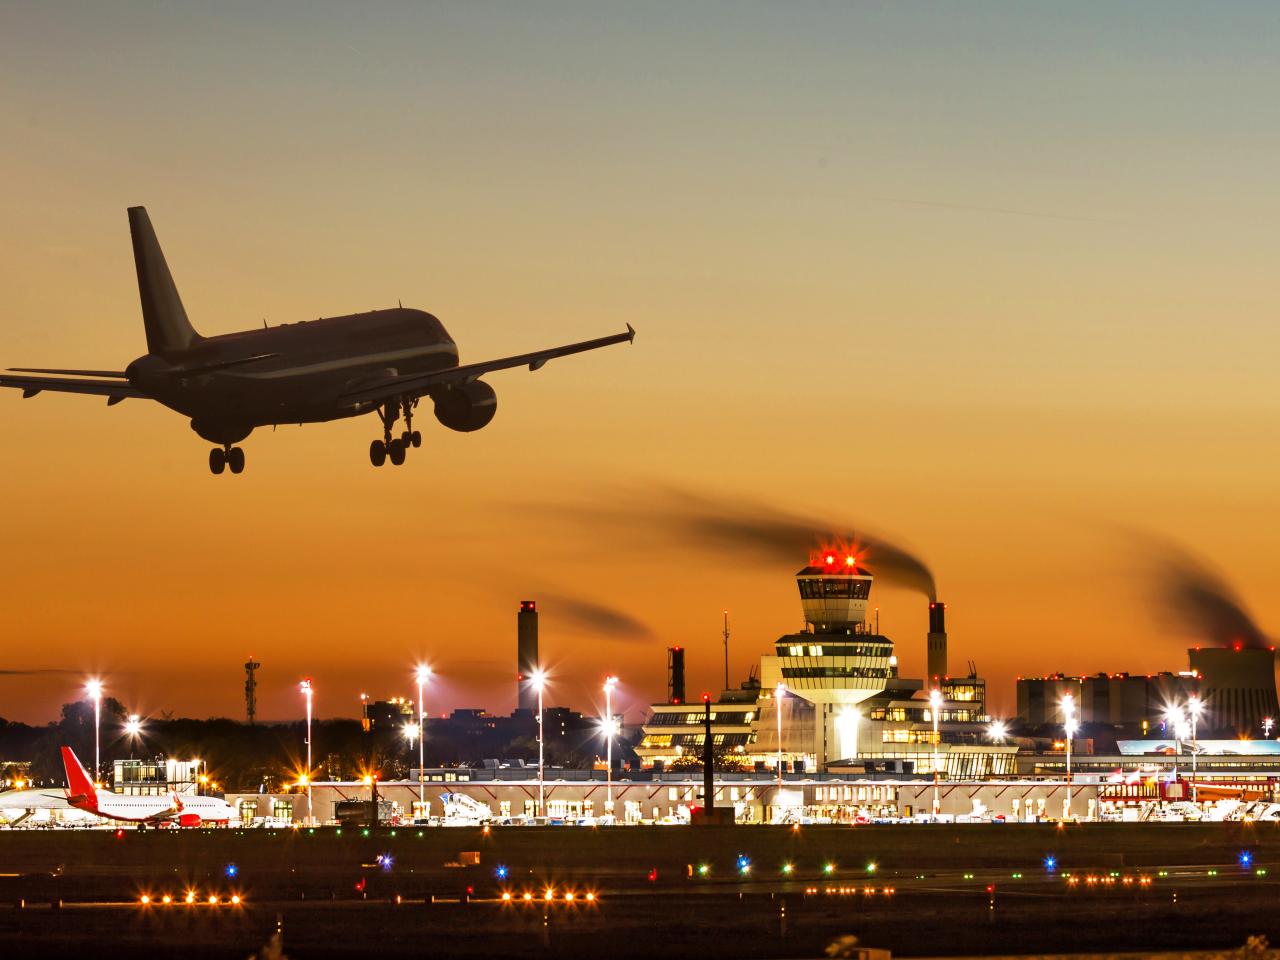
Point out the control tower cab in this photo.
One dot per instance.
(833, 593)
(839, 658)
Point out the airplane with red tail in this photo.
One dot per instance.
(184, 811)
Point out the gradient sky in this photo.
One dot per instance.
(998, 279)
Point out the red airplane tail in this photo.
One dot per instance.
(80, 789)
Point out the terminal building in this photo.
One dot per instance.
(1137, 701)
(834, 692)
(1236, 685)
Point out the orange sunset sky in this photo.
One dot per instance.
(995, 279)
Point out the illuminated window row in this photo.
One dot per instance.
(874, 651)
(817, 673)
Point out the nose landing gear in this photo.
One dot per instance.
(221, 458)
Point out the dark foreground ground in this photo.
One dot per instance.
(660, 891)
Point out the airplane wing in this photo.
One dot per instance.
(416, 384)
(118, 374)
(113, 390)
(34, 800)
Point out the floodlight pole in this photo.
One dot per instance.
(779, 690)
(541, 754)
(609, 684)
(935, 701)
(306, 692)
(423, 673)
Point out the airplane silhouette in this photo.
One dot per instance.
(381, 362)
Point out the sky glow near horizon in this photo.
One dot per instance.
(996, 280)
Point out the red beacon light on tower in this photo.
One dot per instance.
(835, 560)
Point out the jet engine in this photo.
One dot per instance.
(467, 407)
(188, 819)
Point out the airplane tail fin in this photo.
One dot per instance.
(80, 789)
(168, 329)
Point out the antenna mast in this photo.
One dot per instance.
(726, 649)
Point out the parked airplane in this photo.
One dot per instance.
(384, 361)
(185, 811)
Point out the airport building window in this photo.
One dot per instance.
(835, 673)
(282, 809)
(835, 588)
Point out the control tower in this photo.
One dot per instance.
(838, 660)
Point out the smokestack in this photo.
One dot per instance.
(937, 642)
(251, 689)
(675, 675)
(526, 655)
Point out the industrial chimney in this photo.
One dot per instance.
(937, 642)
(675, 675)
(251, 689)
(526, 655)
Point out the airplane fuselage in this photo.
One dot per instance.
(187, 811)
(300, 370)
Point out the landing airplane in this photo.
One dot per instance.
(314, 371)
(155, 810)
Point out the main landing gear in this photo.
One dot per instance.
(220, 458)
(380, 451)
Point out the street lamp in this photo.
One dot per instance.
(610, 728)
(778, 692)
(935, 704)
(423, 675)
(1070, 726)
(998, 731)
(305, 686)
(1195, 707)
(94, 689)
(1267, 724)
(539, 680)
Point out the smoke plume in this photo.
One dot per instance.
(594, 617)
(774, 535)
(39, 671)
(1197, 601)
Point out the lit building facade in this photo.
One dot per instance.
(1136, 701)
